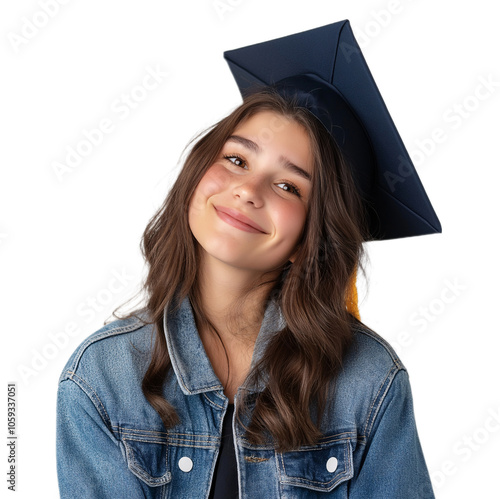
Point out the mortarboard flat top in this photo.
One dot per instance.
(326, 72)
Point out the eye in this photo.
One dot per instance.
(236, 160)
(288, 187)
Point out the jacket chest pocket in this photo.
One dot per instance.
(179, 469)
(312, 470)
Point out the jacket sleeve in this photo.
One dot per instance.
(393, 465)
(90, 463)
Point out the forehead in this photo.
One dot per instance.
(270, 121)
(272, 132)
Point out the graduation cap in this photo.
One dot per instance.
(324, 70)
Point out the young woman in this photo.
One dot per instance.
(247, 373)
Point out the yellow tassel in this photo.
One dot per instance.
(352, 296)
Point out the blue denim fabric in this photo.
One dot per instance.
(111, 443)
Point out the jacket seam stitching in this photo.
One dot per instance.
(212, 402)
(338, 437)
(93, 398)
(136, 324)
(386, 347)
(379, 400)
(143, 474)
(169, 443)
(318, 485)
(138, 434)
(136, 430)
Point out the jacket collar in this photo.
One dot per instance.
(189, 360)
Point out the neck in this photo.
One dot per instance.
(226, 300)
(235, 313)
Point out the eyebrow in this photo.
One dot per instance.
(250, 144)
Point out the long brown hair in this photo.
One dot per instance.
(301, 361)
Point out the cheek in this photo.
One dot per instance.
(215, 179)
(290, 220)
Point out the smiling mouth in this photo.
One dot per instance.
(235, 219)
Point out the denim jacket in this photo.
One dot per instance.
(112, 444)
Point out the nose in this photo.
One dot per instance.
(250, 190)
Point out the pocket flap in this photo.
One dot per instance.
(319, 468)
(148, 461)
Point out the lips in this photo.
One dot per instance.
(238, 220)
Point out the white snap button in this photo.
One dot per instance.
(185, 464)
(331, 464)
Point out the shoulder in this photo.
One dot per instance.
(123, 345)
(371, 352)
(108, 368)
(371, 372)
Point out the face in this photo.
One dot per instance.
(250, 207)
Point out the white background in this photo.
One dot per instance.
(63, 239)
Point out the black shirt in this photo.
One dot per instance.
(225, 480)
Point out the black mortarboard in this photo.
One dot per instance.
(325, 71)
